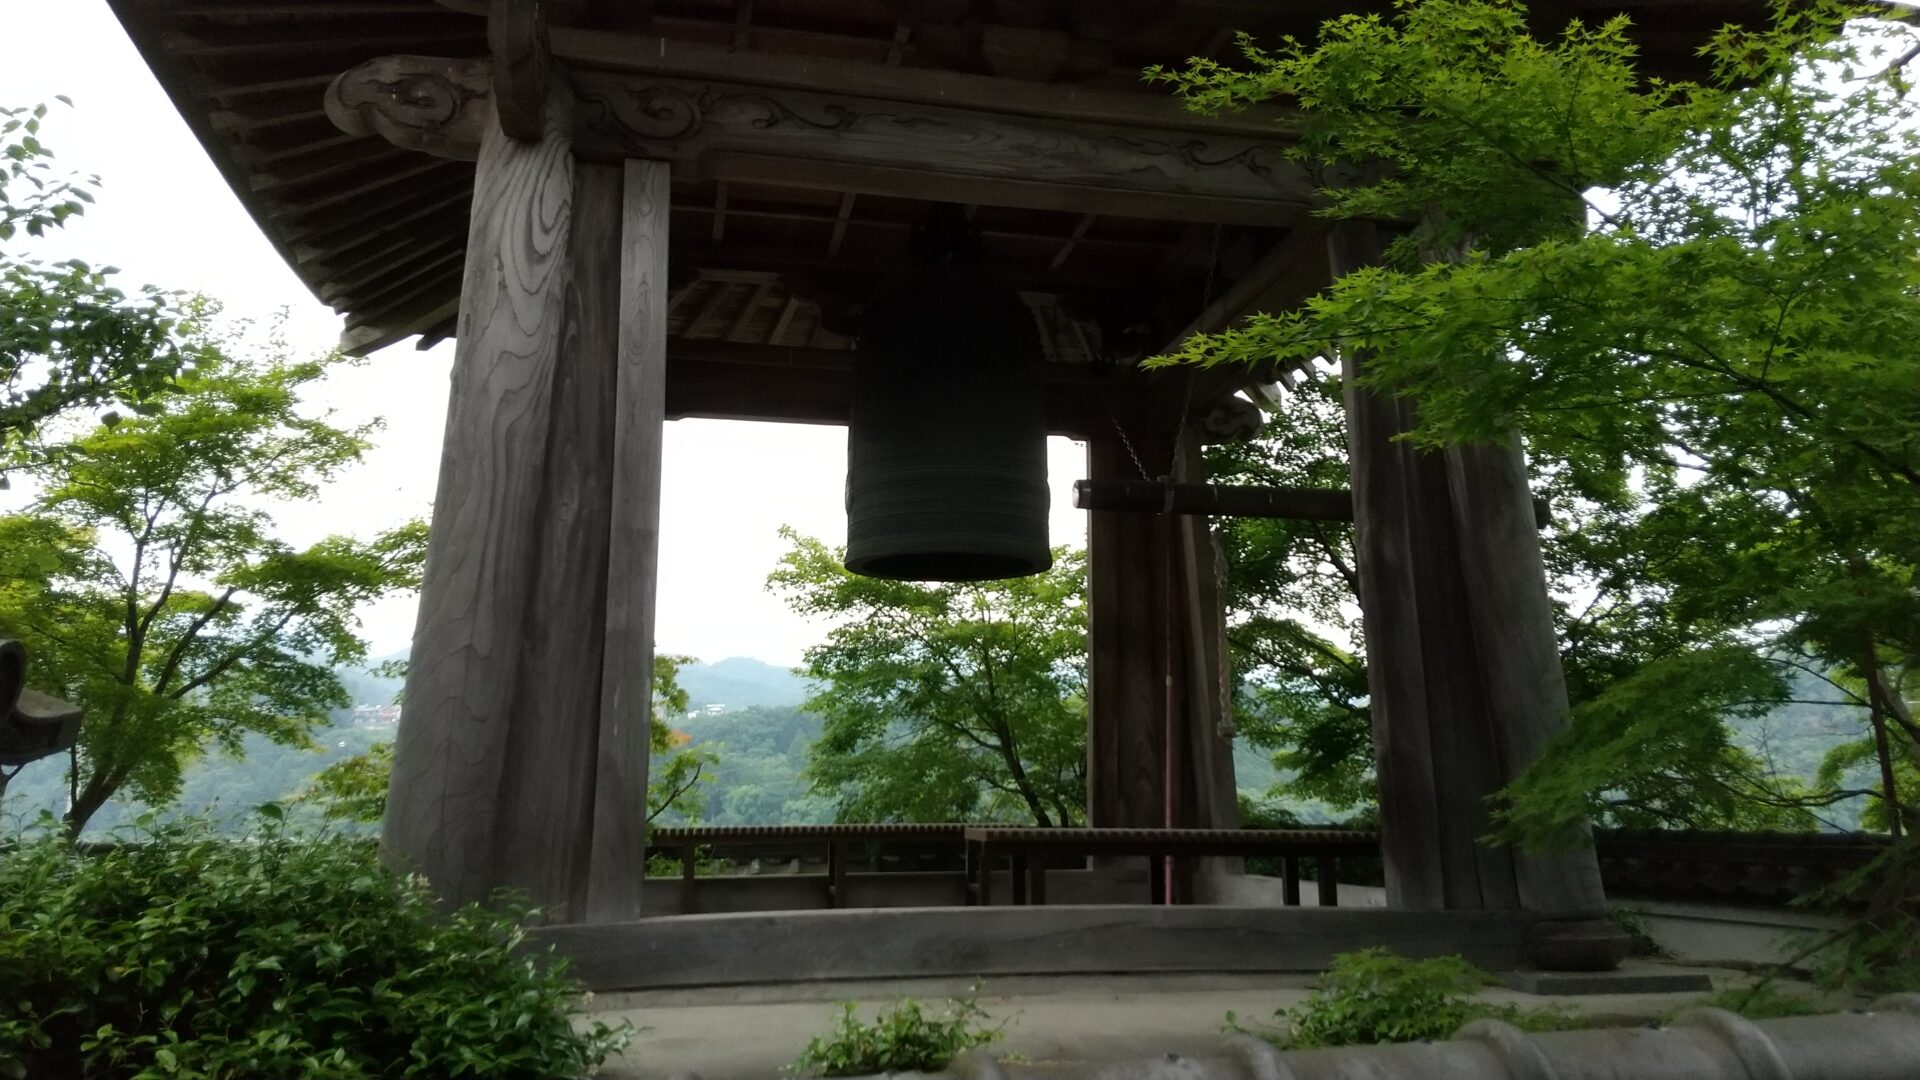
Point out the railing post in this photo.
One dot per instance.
(1329, 882)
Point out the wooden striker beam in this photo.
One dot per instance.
(1227, 500)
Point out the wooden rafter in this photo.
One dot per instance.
(1073, 239)
(840, 224)
(747, 312)
(742, 23)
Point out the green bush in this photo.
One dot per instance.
(901, 1039)
(1375, 996)
(1763, 1000)
(1633, 923)
(175, 953)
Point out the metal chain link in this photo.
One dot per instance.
(1206, 298)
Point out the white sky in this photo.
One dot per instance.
(165, 216)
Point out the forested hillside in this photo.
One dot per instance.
(762, 744)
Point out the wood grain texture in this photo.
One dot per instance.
(800, 946)
(1460, 747)
(1505, 580)
(687, 59)
(739, 131)
(1124, 690)
(443, 799)
(517, 42)
(1462, 663)
(699, 122)
(546, 805)
(1213, 797)
(1383, 499)
(626, 687)
(431, 104)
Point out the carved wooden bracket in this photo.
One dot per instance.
(424, 103)
(517, 38)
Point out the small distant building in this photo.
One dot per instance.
(715, 710)
(375, 716)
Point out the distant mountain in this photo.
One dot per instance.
(741, 682)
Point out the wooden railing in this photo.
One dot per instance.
(1029, 849)
(835, 841)
(1027, 852)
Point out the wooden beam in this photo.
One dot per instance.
(796, 384)
(840, 224)
(706, 310)
(517, 40)
(881, 270)
(626, 702)
(442, 802)
(1073, 239)
(786, 319)
(745, 316)
(863, 144)
(1130, 243)
(1281, 277)
(1227, 500)
(614, 51)
(364, 340)
(742, 24)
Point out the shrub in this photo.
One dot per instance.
(1375, 996)
(901, 1039)
(1633, 923)
(1763, 1000)
(176, 953)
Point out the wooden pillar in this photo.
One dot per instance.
(1209, 793)
(1125, 687)
(1154, 615)
(521, 759)
(470, 636)
(1463, 670)
(546, 797)
(626, 688)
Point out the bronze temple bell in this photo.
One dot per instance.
(947, 442)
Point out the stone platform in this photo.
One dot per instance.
(975, 942)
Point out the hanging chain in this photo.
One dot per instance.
(1186, 404)
(1125, 442)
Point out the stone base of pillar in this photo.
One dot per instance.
(1577, 945)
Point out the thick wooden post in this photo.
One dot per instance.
(522, 757)
(1154, 614)
(1462, 665)
(1125, 689)
(626, 688)
(545, 818)
(1506, 586)
(443, 801)
(1210, 796)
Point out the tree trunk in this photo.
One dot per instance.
(86, 802)
(1882, 743)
